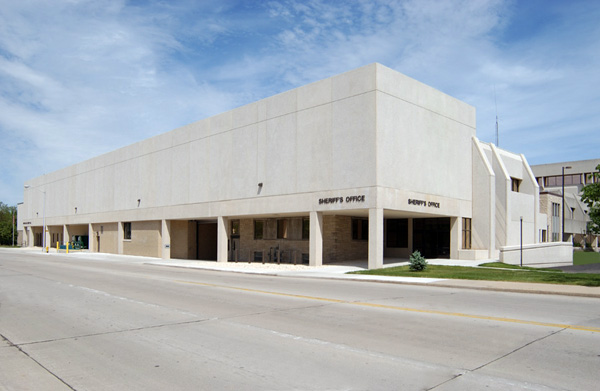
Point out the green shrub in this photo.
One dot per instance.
(417, 262)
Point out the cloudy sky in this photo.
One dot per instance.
(79, 78)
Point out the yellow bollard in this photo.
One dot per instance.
(67, 247)
(57, 246)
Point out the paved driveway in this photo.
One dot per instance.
(591, 268)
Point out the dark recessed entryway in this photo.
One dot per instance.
(431, 237)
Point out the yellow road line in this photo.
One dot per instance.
(406, 309)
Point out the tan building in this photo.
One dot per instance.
(577, 174)
(366, 165)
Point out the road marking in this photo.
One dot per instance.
(405, 309)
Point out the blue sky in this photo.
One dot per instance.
(79, 78)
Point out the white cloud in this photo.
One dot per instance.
(95, 76)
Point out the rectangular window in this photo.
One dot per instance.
(360, 229)
(466, 233)
(397, 233)
(259, 226)
(235, 228)
(555, 222)
(282, 228)
(127, 231)
(515, 184)
(305, 229)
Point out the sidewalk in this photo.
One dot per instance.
(338, 272)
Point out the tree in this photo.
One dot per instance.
(591, 196)
(6, 223)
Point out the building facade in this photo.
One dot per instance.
(577, 174)
(365, 165)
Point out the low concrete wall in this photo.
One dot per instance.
(538, 254)
(473, 255)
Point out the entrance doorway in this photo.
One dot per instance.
(431, 237)
(206, 241)
(234, 241)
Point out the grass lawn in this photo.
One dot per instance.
(584, 258)
(510, 273)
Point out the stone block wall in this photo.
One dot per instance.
(338, 245)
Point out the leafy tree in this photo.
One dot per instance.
(591, 196)
(6, 223)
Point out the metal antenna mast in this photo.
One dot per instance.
(496, 104)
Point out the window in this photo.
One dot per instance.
(360, 229)
(466, 233)
(259, 226)
(571, 179)
(397, 233)
(305, 229)
(282, 228)
(515, 184)
(555, 209)
(127, 231)
(235, 228)
(555, 221)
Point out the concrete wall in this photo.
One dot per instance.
(483, 224)
(419, 131)
(183, 239)
(145, 239)
(538, 254)
(510, 205)
(226, 156)
(108, 234)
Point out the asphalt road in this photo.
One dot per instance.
(72, 324)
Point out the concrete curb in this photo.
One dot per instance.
(497, 286)
(338, 272)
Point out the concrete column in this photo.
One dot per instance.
(66, 237)
(315, 255)
(375, 238)
(455, 236)
(47, 234)
(166, 239)
(91, 238)
(120, 237)
(30, 240)
(222, 238)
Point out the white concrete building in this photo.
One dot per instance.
(364, 165)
